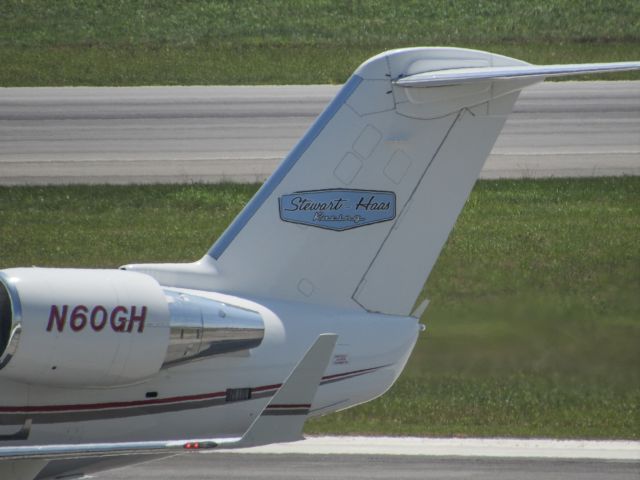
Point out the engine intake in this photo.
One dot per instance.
(9, 323)
(89, 328)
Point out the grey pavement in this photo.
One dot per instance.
(210, 134)
(231, 466)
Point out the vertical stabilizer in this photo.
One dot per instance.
(358, 212)
(356, 215)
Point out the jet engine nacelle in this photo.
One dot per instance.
(72, 327)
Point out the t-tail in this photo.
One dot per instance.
(358, 212)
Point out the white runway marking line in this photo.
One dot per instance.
(459, 447)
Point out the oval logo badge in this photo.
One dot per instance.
(338, 209)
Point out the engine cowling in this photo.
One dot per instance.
(72, 327)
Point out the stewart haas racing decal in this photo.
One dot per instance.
(338, 209)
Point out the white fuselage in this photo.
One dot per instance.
(192, 400)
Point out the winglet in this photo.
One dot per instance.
(280, 421)
(283, 418)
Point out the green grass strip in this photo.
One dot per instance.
(136, 42)
(534, 323)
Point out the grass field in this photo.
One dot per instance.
(534, 323)
(137, 42)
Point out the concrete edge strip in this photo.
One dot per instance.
(458, 447)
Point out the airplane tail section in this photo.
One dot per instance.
(357, 214)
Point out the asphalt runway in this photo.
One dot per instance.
(401, 458)
(210, 134)
(231, 466)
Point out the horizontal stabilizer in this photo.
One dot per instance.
(358, 212)
(457, 76)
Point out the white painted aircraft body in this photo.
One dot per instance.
(306, 305)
